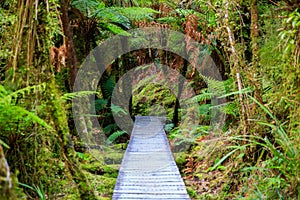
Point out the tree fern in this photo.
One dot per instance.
(88, 7)
(115, 19)
(116, 29)
(137, 13)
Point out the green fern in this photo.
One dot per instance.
(110, 128)
(88, 7)
(108, 86)
(114, 19)
(70, 96)
(117, 109)
(230, 108)
(137, 13)
(116, 29)
(100, 104)
(14, 113)
(204, 96)
(9, 98)
(112, 138)
(112, 16)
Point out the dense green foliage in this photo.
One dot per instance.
(255, 45)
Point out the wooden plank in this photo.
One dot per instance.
(148, 169)
(151, 196)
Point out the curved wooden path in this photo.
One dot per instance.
(148, 169)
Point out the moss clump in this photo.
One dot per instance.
(180, 159)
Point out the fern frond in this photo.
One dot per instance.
(115, 19)
(88, 7)
(117, 109)
(4, 144)
(100, 104)
(204, 109)
(243, 91)
(8, 98)
(109, 128)
(230, 109)
(215, 86)
(17, 113)
(3, 91)
(205, 95)
(112, 138)
(108, 86)
(9, 111)
(137, 13)
(112, 15)
(116, 29)
(168, 20)
(72, 95)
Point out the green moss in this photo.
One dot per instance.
(102, 185)
(111, 171)
(113, 158)
(94, 167)
(180, 159)
(191, 192)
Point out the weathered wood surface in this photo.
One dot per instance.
(148, 169)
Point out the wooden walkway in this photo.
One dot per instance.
(148, 169)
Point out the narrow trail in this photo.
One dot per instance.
(148, 169)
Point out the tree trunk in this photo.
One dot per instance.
(255, 55)
(254, 32)
(5, 179)
(68, 42)
(180, 85)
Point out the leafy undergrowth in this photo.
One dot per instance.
(223, 168)
(101, 169)
(206, 174)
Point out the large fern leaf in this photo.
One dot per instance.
(114, 19)
(13, 114)
(87, 7)
(9, 111)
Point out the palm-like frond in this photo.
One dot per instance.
(115, 19)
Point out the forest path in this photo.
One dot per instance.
(148, 169)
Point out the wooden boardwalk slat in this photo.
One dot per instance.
(148, 169)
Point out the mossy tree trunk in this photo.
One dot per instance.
(254, 33)
(5, 179)
(72, 64)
